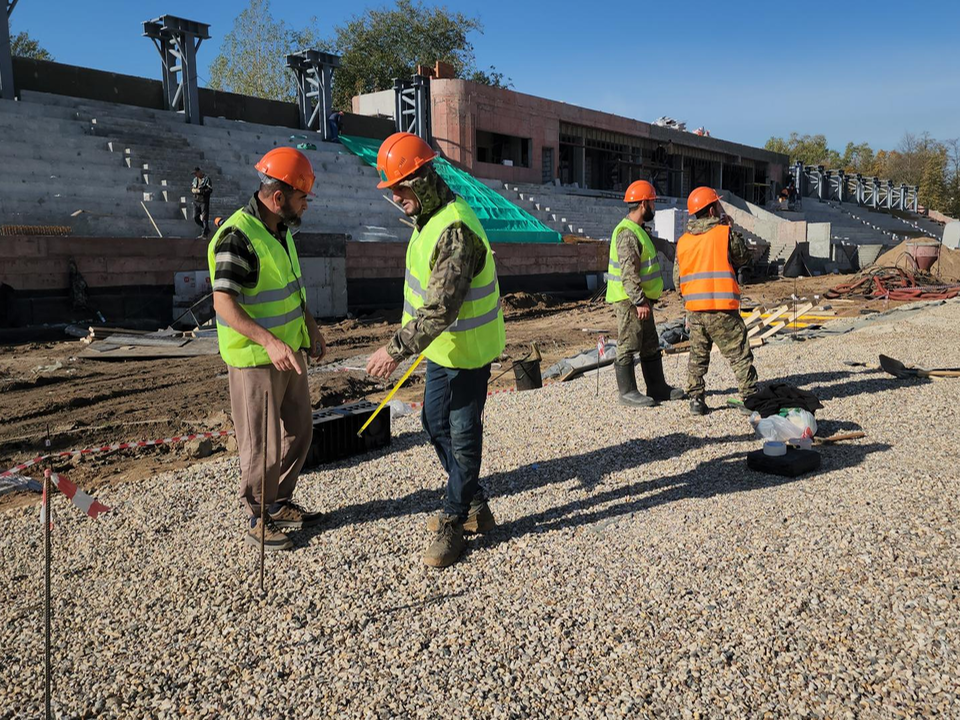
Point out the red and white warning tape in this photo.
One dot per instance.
(15, 471)
(90, 505)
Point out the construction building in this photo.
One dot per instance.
(518, 138)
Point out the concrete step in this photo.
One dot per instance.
(39, 129)
(60, 150)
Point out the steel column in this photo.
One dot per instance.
(177, 40)
(916, 198)
(7, 90)
(412, 107)
(314, 71)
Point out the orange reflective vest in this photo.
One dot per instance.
(707, 278)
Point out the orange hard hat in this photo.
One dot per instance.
(700, 198)
(288, 165)
(640, 190)
(401, 155)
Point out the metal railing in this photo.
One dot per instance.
(842, 187)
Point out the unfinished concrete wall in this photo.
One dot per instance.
(134, 277)
(375, 103)
(375, 270)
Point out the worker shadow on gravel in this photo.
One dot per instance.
(848, 384)
(717, 476)
(589, 470)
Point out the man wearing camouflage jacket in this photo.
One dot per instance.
(705, 272)
(452, 316)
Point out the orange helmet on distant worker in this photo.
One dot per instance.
(640, 190)
(700, 198)
(401, 155)
(288, 165)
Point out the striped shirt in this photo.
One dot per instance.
(236, 263)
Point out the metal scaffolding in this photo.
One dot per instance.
(314, 71)
(7, 91)
(412, 110)
(177, 41)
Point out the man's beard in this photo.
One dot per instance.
(649, 214)
(289, 216)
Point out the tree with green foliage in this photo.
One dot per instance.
(857, 158)
(933, 179)
(808, 149)
(382, 44)
(22, 45)
(253, 55)
(918, 161)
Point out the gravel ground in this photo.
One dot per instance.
(639, 569)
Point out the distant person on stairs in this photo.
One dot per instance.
(201, 188)
(634, 284)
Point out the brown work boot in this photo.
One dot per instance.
(480, 519)
(293, 517)
(273, 539)
(447, 543)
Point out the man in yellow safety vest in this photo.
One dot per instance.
(263, 327)
(634, 285)
(452, 315)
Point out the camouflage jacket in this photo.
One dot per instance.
(629, 252)
(458, 257)
(739, 250)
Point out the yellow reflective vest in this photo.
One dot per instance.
(477, 337)
(277, 302)
(650, 280)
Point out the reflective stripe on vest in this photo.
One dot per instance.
(708, 281)
(276, 303)
(650, 279)
(477, 336)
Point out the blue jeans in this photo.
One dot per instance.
(453, 401)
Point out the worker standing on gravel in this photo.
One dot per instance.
(201, 188)
(263, 327)
(452, 315)
(705, 271)
(634, 284)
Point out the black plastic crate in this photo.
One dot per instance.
(335, 432)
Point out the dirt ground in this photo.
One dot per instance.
(84, 403)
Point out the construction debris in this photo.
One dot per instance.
(893, 283)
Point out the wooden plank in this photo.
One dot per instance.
(769, 319)
(795, 316)
(773, 330)
(755, 315)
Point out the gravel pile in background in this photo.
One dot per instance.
(639, 568)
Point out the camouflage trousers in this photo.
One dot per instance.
(634, 335)
(727, 330)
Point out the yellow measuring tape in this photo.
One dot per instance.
(390, 395)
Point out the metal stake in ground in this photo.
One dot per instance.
(263, 487)
(47, 519)
(601, 346)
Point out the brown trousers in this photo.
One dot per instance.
(289, 425)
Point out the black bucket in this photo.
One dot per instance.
(527, 373)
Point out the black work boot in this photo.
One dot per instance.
(657, 388)
(627, 385)
(698, 406)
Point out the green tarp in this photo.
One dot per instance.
(503, 221)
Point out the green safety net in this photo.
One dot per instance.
(502, 220)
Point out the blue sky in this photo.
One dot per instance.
(854, 71)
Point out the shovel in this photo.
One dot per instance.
(899, 370)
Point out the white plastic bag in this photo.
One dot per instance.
(797, 425)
